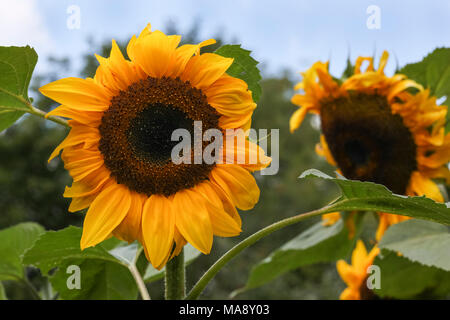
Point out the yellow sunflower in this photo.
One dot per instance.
(355, 275)
(387, 130)
(118, 150)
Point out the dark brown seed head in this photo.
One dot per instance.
(136, 135)
(368, 141)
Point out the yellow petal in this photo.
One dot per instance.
(421, 185)
(350, 294)
(227, 203)
(105, 214)
(383, 224)
(238, 183)
(347, 273)
(192, 220)
(78, 135)
(81, 203)
(80, 94)
(88, 118)
(383, 61)
(155, 53)
(130, 228)
(246, 154)
(223, 224)
(183, 54)
(89, 185)
(232, 99)
(203, 70)
(297, 119)
(180, 242)
(359, 255)
(158, 224)
(330, 218)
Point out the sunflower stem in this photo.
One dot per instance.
(229, 255)
(38, 112)
(175, 278)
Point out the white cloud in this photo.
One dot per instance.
(21, 23)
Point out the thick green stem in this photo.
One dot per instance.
(175, 278)
(215, 268)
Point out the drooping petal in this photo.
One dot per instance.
(158, 225)
(297, 119)
(130, 228)
(222, 223)
(105, 214)
(193, 221)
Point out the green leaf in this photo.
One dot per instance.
(403, 279)
(14, 241)
(244, 67)
(103, 275)
(421, 241)
(433, 72)
(349, 69)
(368, 196)
(16, 67)
(319, 243)
(152, 274)
(100, 280)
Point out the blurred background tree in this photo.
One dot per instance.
(31, 188)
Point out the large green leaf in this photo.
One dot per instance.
(319, 243)
(244, 67)
(403, 279)
(14, 241)
(103, 275)
(100, 280)
(422, 241)
(152, 274)
(368, 196)
(433, 72)
(16, 67)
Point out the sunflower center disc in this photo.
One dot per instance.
(136, 134)
(150, 131)
(367, 141)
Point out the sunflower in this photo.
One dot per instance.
(387, 130)
(118, 150)
(355, 275)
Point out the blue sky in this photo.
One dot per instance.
(282, 34)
